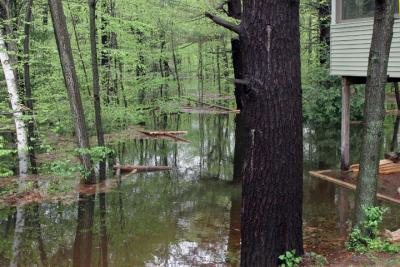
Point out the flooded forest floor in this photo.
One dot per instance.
(189, 216)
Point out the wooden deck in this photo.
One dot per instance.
(387, 184)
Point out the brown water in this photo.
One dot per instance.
(187, 217)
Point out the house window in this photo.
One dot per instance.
(358, 9)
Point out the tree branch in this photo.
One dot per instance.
(239, 81)
(226, 24)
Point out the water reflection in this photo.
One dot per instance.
(84, 232)
(187, 217)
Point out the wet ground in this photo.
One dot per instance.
(186, 217)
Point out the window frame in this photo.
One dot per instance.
(339, 13)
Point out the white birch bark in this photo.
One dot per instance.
(22, 140)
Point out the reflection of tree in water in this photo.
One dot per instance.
(181, 217)
(84, 232)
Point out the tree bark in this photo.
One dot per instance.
(393, 145)
(96, 84)
(71, 82)
(273, 173)
(78, 46)
(178, 82)
(324, 22)
(397, 94)
(22, 138)
(238, 71)
(374, 112)
(235, 9)
(28, 87)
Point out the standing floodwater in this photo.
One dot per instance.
(186, 217)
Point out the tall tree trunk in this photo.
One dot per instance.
(273, 173)
(235, 9)
(238, 71)
(16, 104)
(78, 46)
(105, 43)
(96, 84)
(45, 19)
(397, 94)
(178, 82)
(200, 74)
(71, 82)
(393, 145)
(28, 87)
(374, 111)
(324, 21)
(219, 71)
(121, 81)
(240, 149)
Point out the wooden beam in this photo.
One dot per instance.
(345, 131)
(348, 185)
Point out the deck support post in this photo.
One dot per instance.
(345, 131)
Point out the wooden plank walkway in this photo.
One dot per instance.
(387, 184)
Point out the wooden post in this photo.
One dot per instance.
(345, 132)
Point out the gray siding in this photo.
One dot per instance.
(350, 44)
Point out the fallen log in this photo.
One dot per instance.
(131, 169)
(172, 134)
(216, 106)
(165, 132)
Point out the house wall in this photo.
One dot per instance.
(350, 45)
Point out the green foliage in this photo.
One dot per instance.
(5, 155)
(290, 259)
(61, 168)
(316, 259)
(322, 93)
(97, 153)
(57, 186)
(365, 238)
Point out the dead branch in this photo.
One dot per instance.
(226, 24)
(215, 106)
(172, 135)
(131, 169)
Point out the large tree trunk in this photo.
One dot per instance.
(28, 87)
(96, 83)
(71, 82)
(374, 112)
(273, 173)
(22, 139)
